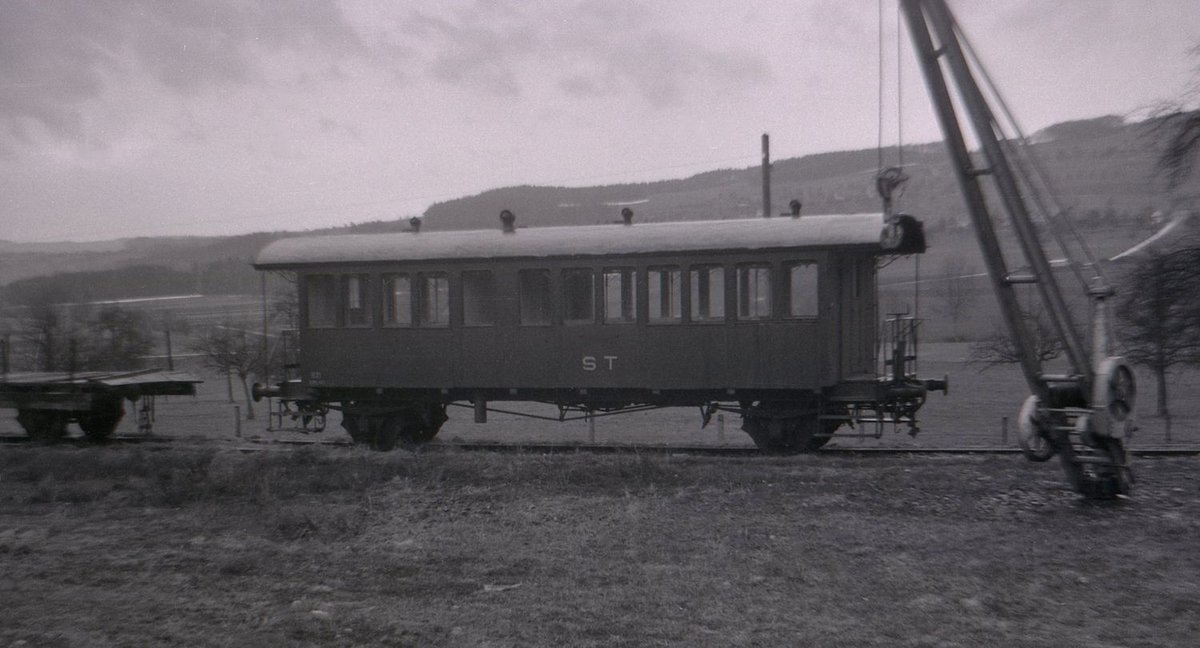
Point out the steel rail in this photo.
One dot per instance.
(248, 445)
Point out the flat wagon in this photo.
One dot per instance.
(47, 402)
(775, 319)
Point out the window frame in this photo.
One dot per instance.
(420, 319)
(755, 296)
(568, 302)
(627, 299)
(333, 307)
(709, 270)
(675, 302)
(364, 310)
(491, 299)
(389, 299)
(549, 310)
(789, 289)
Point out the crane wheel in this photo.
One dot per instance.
(1114, 397)
(1030, 436)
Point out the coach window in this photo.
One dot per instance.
(579, 296)
(479, 298)
(322, 300)
(663, 289)
(802, 289)
(397, 300)
(355, 302)
(754, 291)
(534, 290)
(707, 290)
(620, 295)
(433, 299)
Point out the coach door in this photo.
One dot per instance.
(856, 318)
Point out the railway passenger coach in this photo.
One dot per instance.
(775, 319)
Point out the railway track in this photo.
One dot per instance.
(258, 444)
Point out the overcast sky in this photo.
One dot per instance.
(148, 117)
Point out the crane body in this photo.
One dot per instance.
(1083, 415)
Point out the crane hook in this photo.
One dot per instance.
(890, 185)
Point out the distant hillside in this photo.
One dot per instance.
(1103, 169)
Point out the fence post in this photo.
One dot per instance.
(237, 421)
(591, 428)
(721, 429)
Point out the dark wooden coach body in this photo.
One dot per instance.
(774, 317)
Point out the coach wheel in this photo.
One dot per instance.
(44, 426)
(785, 436)
(377, 431)
(101, 421)
(424, 424)
(828, 427)
(355, 425)
(1034, 444)
(386, 431)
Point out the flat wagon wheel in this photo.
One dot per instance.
(43, 426)
(101, 421)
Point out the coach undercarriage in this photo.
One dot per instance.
(778, 421)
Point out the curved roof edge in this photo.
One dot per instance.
(578, 240)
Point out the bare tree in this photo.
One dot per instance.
(61, 337)
(117, 339)
(48, 330)
(285, 309)
(1159, 315)
(998, 348)
(1176, 124)
(228, 348)
(952, 292)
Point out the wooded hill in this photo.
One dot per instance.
(1103, 168)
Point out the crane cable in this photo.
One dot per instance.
(890, 181)
(1040, 191)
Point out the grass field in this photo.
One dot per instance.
(194, 546)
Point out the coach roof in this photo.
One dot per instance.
(578, 241)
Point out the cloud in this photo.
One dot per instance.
(584, 49)
(57, 56)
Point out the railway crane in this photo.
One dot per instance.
(1085, 414)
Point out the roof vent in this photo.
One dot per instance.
(415, 224)
(627, 216)
(509, 221)
(795, 207)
